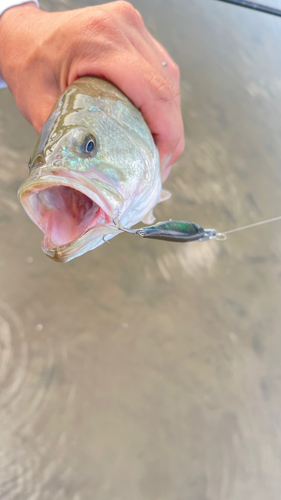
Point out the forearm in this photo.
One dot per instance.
(12, 12)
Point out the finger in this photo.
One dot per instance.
(40, 113)
(36, 106)
(165, 57)
(167, 165)
(132, 25)
(152, 51)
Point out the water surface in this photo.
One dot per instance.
(147, 370)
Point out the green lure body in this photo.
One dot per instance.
(177, 231)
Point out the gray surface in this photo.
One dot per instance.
(157, 374)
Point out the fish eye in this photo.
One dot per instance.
(89, 145)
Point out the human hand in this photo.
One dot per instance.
(44, 52)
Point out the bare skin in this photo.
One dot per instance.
(44, 52)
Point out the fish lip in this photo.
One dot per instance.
(91, 187)
(66, 252)
(48, 177)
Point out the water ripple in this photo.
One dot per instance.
(31, 455)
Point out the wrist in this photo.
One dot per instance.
(8, 4)
(14, 34)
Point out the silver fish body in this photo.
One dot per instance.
(95, 164)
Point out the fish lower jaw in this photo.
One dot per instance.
(71, 221)
(89, 240)
(62, 236)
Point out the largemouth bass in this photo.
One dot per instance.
(95, 167)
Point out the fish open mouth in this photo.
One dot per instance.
(66, 210)
(64, 214)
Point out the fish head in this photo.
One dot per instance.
(90, 169)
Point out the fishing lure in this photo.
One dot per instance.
(177, 231)
(182, 232)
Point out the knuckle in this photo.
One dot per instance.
(128, 11)
(165, 91)
(100, 22)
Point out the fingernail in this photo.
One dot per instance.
(166, 167)
(166, 162)
(165, 173)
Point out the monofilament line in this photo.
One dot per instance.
(253, 225)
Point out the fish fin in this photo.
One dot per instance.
(149, 217)
(165, 195)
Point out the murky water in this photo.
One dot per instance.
(147, 370)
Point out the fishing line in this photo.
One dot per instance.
(166, 230)
(222, 236)
(254, 6)
(274, 12)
